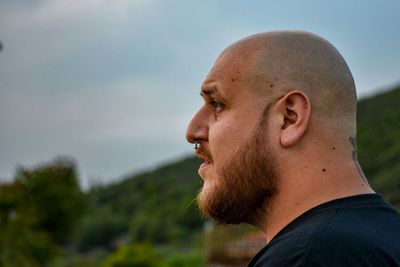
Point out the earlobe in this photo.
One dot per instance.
(296, 111)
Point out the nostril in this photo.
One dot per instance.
(190, 137)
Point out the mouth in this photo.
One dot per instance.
(204, 166)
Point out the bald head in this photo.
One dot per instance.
(282, 61)
(276, 129)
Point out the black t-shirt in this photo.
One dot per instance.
(360, 230)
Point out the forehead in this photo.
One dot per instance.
(229, 71)
(231, 62)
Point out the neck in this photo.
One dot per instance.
(299, 191)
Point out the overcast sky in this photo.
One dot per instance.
(113, 84)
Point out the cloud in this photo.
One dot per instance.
(114, 83)
(90, 78)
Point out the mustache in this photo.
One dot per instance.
(204, 154)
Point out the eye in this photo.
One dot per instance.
(216, 105)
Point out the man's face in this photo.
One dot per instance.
(239, 167)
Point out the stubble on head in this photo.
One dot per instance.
(246, 182)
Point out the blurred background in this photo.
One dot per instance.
(95, 96)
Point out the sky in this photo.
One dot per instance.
(113, 84)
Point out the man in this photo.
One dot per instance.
(277, 134)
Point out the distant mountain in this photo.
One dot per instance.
(157, 206)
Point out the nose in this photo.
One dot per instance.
(197, 129)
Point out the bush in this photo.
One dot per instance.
(136, 255)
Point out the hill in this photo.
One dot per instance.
(379, 142)
(157, 206)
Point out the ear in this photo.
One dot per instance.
(295, 108)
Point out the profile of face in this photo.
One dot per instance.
(239, 169)
(257, 112)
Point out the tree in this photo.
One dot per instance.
(52, 191)
(21, 242)
(38, 212)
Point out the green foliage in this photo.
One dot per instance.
(184, 259)
(100, 229)
(93, 259)
(55, 187)
(158, 203)
(21, 243)
(137, 255)
(145, 255)
(38, 212)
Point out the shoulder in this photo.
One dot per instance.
(358, 236)
(346, 235)
(292, 246)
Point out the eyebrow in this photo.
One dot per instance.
(208, 90)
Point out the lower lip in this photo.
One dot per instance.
(203, 168)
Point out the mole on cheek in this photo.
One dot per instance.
(333, 148)
(324, 170)
(233, 80)
(271, 85)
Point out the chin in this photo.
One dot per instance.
(207, 190)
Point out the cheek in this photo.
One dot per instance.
(225, 138)
(220, 134)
